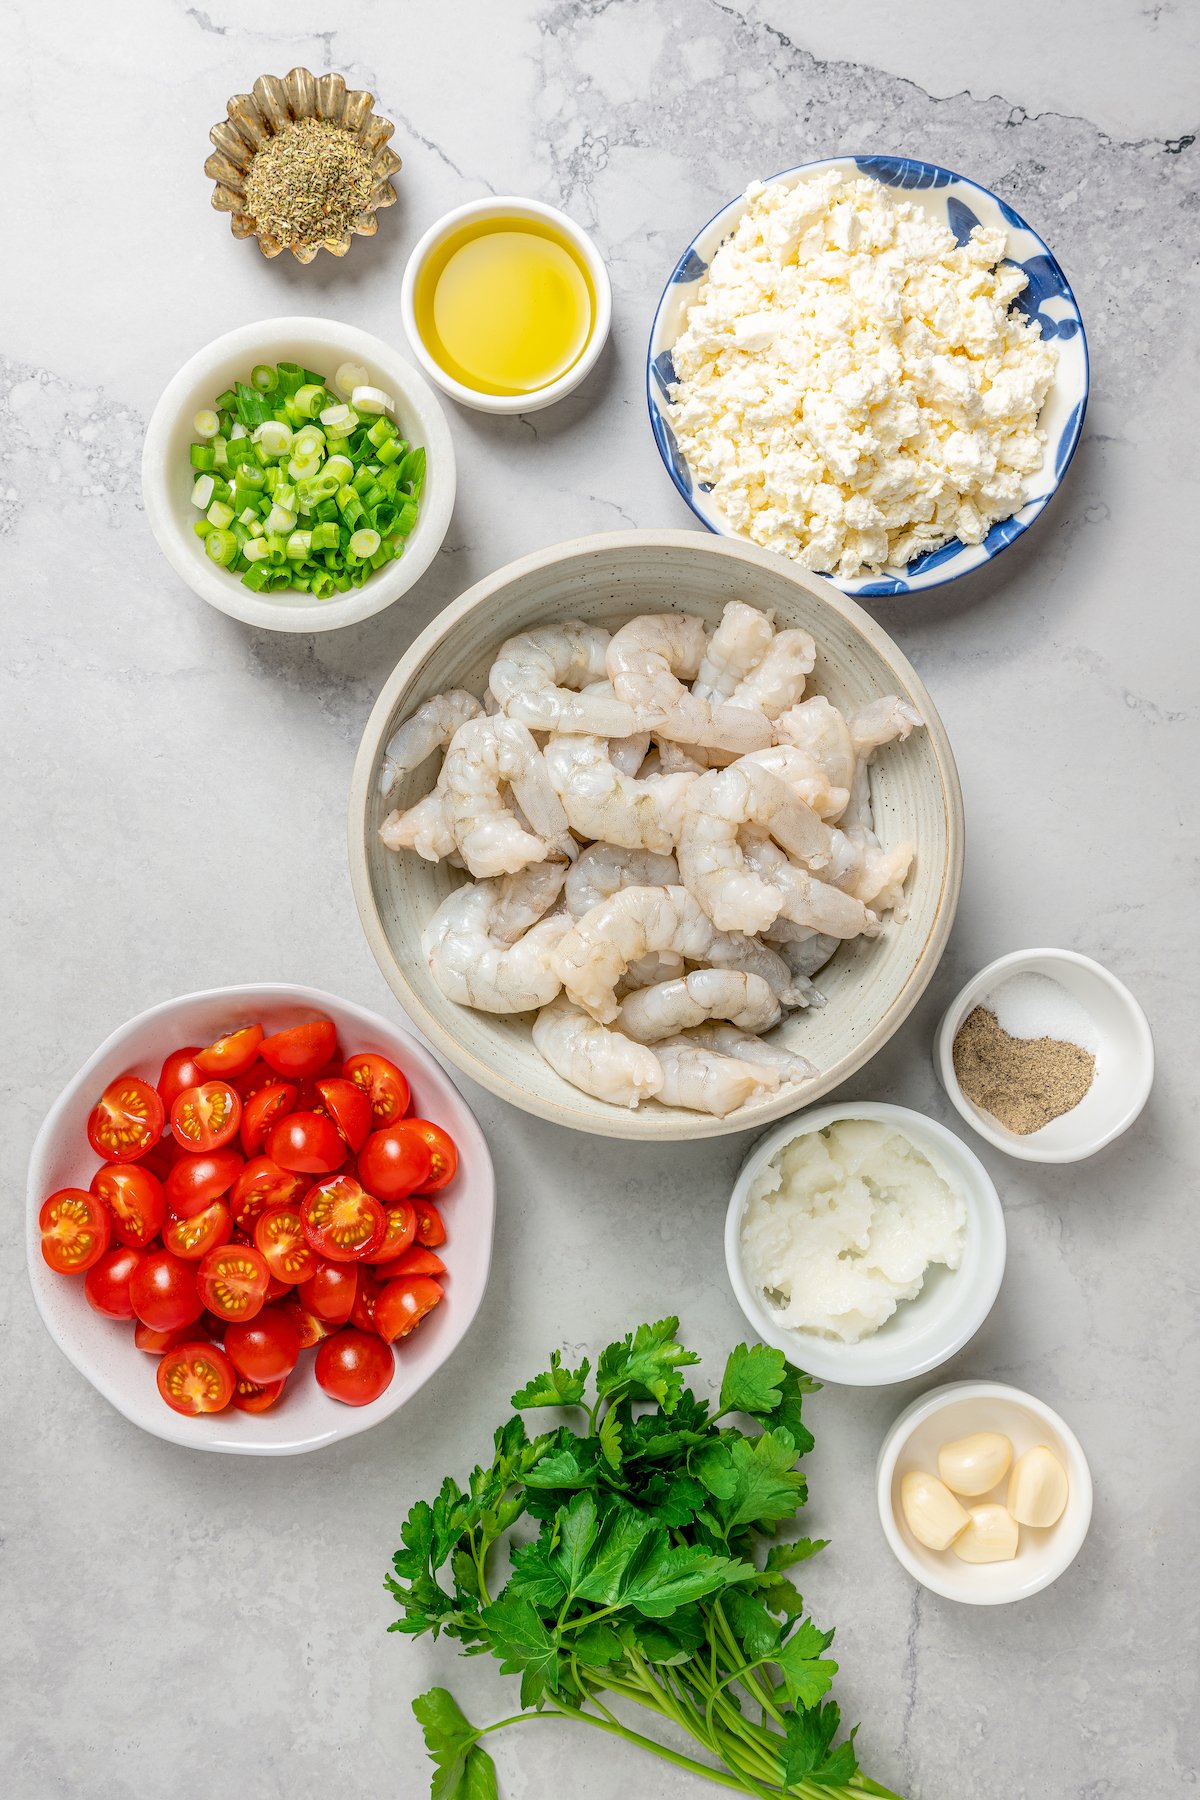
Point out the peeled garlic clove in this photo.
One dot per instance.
(930, 1510)
(991, 1535)
(972, 1465)
(1037, 1488)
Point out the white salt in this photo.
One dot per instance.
(1033, 1006)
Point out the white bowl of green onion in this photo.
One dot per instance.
(299, 474)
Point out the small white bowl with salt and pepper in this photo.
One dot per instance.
(1026, 1027)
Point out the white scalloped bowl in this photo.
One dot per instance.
(103, 1349)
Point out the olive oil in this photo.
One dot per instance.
(505, 305)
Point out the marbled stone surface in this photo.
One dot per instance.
(172, 817)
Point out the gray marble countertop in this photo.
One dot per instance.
(173, 818)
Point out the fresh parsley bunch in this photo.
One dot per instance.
(643, 1586)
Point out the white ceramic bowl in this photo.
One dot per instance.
(510, 206)
(952, 1304)
(955, 1411)
(103, 1349)
(167, 477)
(870, 986)
(1124, 1060)
(959, 203)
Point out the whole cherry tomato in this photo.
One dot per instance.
(126, 1121)
(306, 1143)
(383, 1084)
(135, 1198)
(163, 1291)
(301, 1051)
(76, 1227)
(106, 1283)
(354, 1367)
(394, 1162)
(403, 1304)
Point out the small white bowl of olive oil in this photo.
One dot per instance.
(507, 304)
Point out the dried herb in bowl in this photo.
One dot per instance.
(308, 182)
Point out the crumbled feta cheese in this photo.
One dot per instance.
(852, 383)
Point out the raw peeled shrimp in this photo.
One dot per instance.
(598, 1061)
(625, 753)
(534, 672)
(669, 1007)
(733, 950)
(738, 645)
(475, 968)
(882, 721)
(818, 727)
(704, 1081)
(711, 861)
(727, 1040)
(777, 682)
(427, 729)
(591, 959)
(650, 658)
(805, 776)
(423, 828)
(601, 802)
(604, 869)
(484, 754)
(524, 898)
(805, 900)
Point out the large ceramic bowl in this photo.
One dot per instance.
(871, 987)
(961, 204)
(319, 344)
(103, 1349)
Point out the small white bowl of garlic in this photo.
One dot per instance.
(984, 1492)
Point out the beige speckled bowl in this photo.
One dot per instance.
(870, 987)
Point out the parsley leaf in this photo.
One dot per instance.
(645, 1366)
(556, 1387)
(752, 1380)
(807, 1753)
(753, 1481)
(463, 1771)
(807, 1673)
(521, 1640)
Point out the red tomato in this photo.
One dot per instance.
(306, 1142)
(401, 1229)
(196, 1378)
(384, 1085)
(348, 1107)
(416, 1261)
(178, 1072)
(205, 1117)
(276, 1289)
(196, 1181)
(341, 1220)
(233, 1054)
(403, 1304)
(193, 1238)
(265, 1348)
(163, 1291)
(430, 1230)
(76, 1227)
(160, 1159)
(442, 1153)
(126, 1121)
(233, 1281)
(330, 1291)
(256, 1078)
(394, 1162)
(362, 1313)
(354, 1367)
(261, 1110)
(311, 1329)
(279, 1234)
(254, 1396)
(302, 1051)
(135, 1199)
(261, 1185)
(158, 1341)
(106, 1283)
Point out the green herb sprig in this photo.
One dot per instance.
(645, 1585)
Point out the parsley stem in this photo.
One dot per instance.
(562, 1710)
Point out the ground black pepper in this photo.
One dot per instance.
(1022, 1082)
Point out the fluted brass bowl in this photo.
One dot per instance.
(274, 103)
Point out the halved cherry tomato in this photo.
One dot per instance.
(180, 1071)
(205, 1117)
(194, 1237)
(194, 1182)
(403, 1304)
(106, 1283)
(233, 1054)
(196, 1378)
(261, 1185)
(126, 1121)
(383, 1083)
(303, 1050)
(341, 1220)
(76, 1227)
(442, 1152)
(279, 1234)
(306, 1142)
(161, 1158)
(312, 1330)
(157, 1341)
(256, 1078)
(265, 1348)
(329, 1292)
(354, 1367)
(401, 1229)
(362, 1313)
(261, 1110)
(163, 1291)
(414, 1261)
(349, 1108)
(135, 1199)
(430, 1230)
(233, 1281)
(255, 1396)
(395, 1162)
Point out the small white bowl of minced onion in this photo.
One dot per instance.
(287, 499)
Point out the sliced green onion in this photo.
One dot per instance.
(372, 400)
(309, 442)
(364, 543)
(291, 376)
(309, 400)
(275, 436)
(202, 492)
(325, 537)
(339, 467)
(219, 514)
(206, 424)
(285, 495)
(349, 376)
(226, 402)
(280, 519)
(299, 545)
(202, 528)
(222, 546)
(257, 549)
(264, 378)
(338, 418)
(237, 430)
(304, 468)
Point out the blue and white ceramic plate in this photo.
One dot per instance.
(960, 204)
